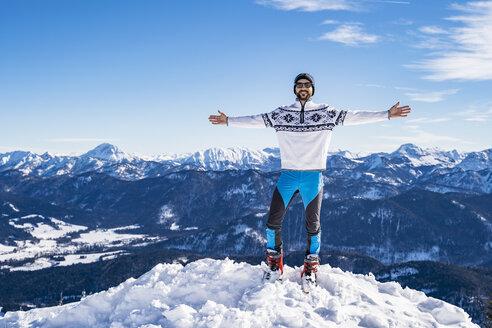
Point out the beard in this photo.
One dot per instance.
(303, 95)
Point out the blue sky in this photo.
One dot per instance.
(145, 75)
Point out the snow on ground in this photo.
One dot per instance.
(32, 216)
(166, 214)
(458, 204)
(28, 249)
(245, 189)
(399, 272)
(388, 255)
(38, 264)
(106, 236)
(87, 258)
(48, 231)
(6, 249)
(243, 230)
(221, 293)
(44, 262)
(57, 230)
(13, 208)
(130, 227)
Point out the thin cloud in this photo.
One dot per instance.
(428, 120)
(432, 30)
(310, 5)
(318, 5)
(431, 97)
(77, 140)
(466, 53)
(420, 137)
(403, 21)
(329, 21)
(432, 38)
(393, 2)
(396, 2)
(416, 120)
(405, 88)
(477, 119)
(477, 112)
(350, 35)
(434, 42)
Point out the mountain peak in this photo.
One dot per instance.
(410, 150)
(107, 151)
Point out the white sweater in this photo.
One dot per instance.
(304, 134)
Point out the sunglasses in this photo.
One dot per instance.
(306, 85)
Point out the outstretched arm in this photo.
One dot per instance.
(253, 121)
(362, 117)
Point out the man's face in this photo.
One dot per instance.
(302, 92)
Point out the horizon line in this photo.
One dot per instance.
(143, 156)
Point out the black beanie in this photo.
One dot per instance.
(304, 76)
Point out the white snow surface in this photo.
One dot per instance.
(87, 258)
(6, 249)
(38, 264)
(106, 236)
(57, 230)
(222, 293)
(13, 208)
(47, 244)
(69, 259)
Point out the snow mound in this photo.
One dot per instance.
(222, 293)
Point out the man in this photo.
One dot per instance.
(304, 132)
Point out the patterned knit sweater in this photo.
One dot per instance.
(304, 132)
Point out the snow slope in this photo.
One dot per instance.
(222, 293)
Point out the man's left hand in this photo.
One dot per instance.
(402, 111)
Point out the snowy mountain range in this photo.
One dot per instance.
(407, 167)
(221, 293)
(218, 159)
(412, 204)
(103, 206)
(107, 158)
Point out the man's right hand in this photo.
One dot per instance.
(218, 119)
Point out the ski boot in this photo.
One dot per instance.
(308, 275)
(275, 270)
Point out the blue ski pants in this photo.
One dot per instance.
(310, 185)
